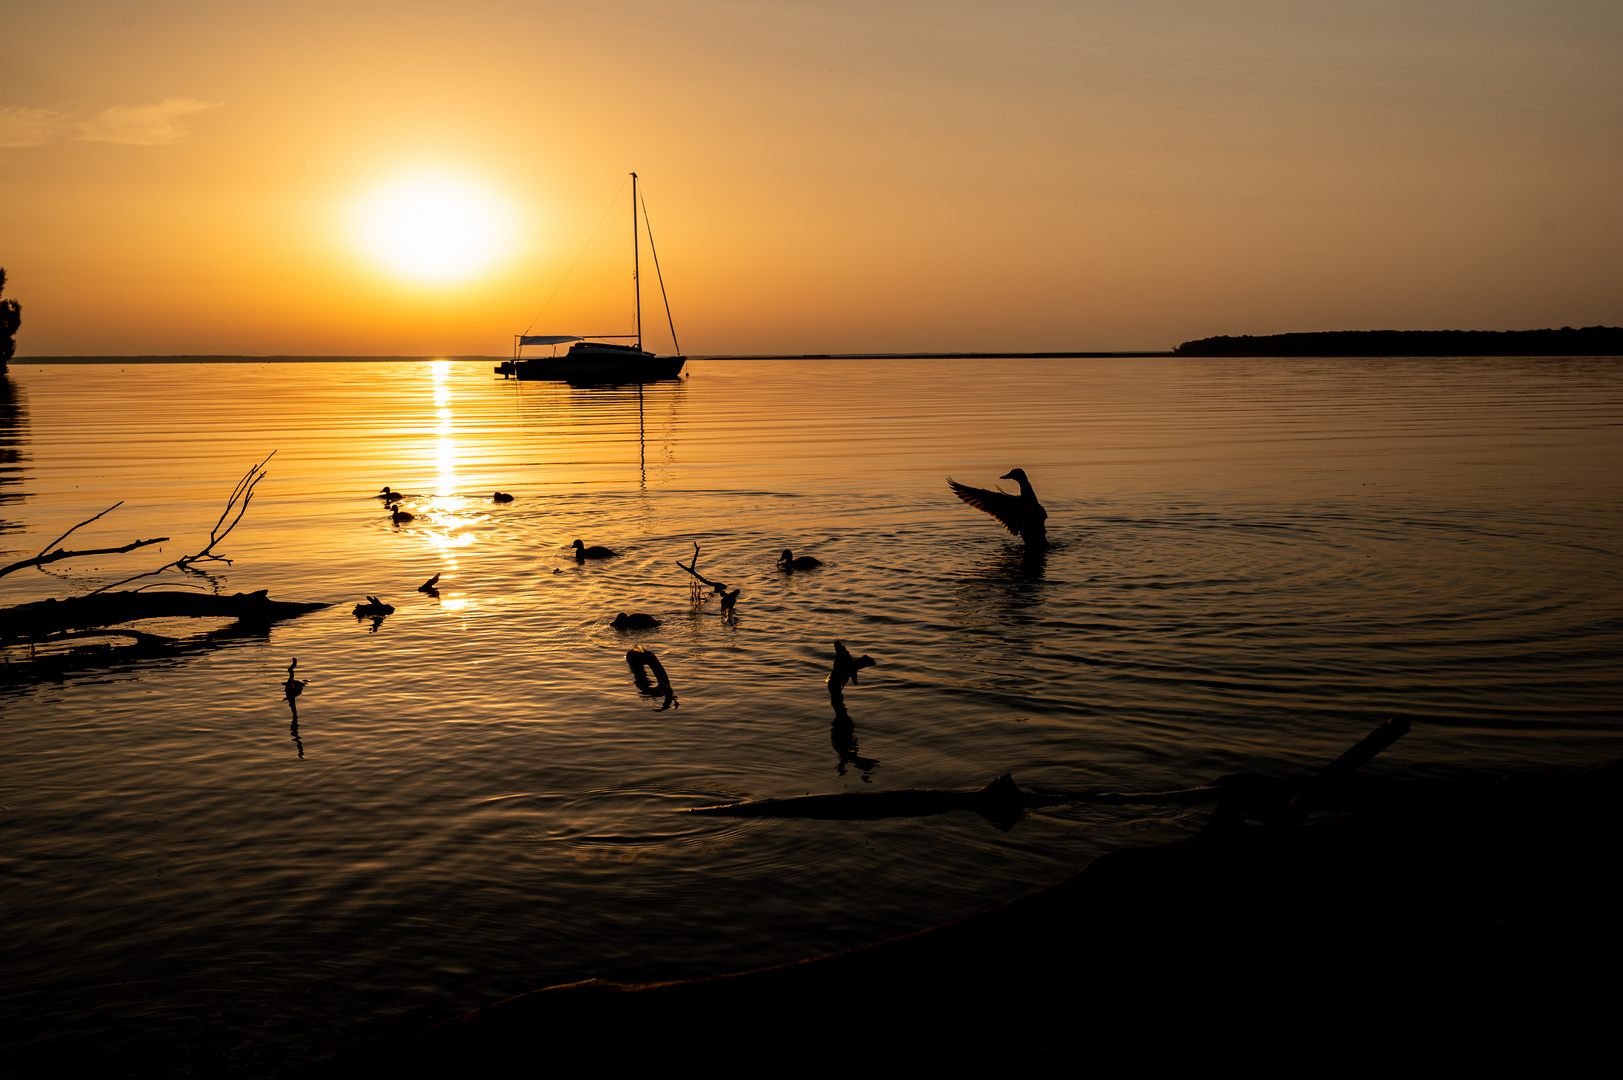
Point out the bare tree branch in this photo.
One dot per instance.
(715, 586)
(241, 495)
(79, 526)
(58, 555)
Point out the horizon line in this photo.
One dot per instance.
(295, 358)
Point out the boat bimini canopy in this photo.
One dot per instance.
(521, 340)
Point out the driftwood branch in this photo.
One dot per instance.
(81, 525)
(235, 507)
(44, 618)
(692, 568)
(641, 661)
(59, 554)
(1332, 775)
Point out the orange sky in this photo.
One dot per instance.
(179, 177)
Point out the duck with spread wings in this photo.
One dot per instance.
(1021, 514)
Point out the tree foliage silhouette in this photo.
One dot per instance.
(11, 317)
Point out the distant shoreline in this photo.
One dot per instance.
(1587, 341)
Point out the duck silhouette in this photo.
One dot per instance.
(389, 496)
(1021, 514)
(293, 687)
(634, 620)
(501, 497)
(582, 552)
(399, 516)
(787, 561)
(846, 667)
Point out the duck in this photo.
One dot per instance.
(501, 497)
(582, 552)
(634, 620)
(846, 667)
(293, 687)
(389, 496)
(429, 585)
(399, 516)
(373, 609)
(787, 561)
(1021, 514)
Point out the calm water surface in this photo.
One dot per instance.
(1256, 561)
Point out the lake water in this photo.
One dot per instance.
(1254, 563)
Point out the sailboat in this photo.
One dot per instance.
(595, 357)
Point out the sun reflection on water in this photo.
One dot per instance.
(446, 449)
(446, 504)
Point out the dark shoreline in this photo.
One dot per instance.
(1472, 918)
(1587, 341)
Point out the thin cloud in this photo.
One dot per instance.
(143, 125)
(26, 127)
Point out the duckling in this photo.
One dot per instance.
(391, 496)
(1021, 514)
(582, 552)
(501, 497)
(293, 687)
(373, 609)
(428, 586)
(787, 561)
(634, 620)
(399, 516)
(846, 667)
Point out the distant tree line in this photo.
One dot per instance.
(1588, 341)
(11, 317)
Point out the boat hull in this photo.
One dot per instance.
(596, 369)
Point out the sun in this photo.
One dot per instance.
(433, 228)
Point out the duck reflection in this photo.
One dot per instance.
(641, 661)
(1010, 580)
(291, 689)
(842, 735)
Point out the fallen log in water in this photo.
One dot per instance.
(43, 618)
(1362, 937)
(1000, 801)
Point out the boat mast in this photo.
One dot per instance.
(636, 282)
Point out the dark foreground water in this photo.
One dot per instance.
(1256, 561)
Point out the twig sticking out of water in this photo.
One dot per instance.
(235, 507)
(698, 594)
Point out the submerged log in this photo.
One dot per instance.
(1000, 801)
(43, 618)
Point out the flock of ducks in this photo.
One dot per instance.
(1020, 513)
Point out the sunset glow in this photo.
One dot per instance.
(433, 229)
(818, 180)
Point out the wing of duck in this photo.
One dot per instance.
(1009, 509)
